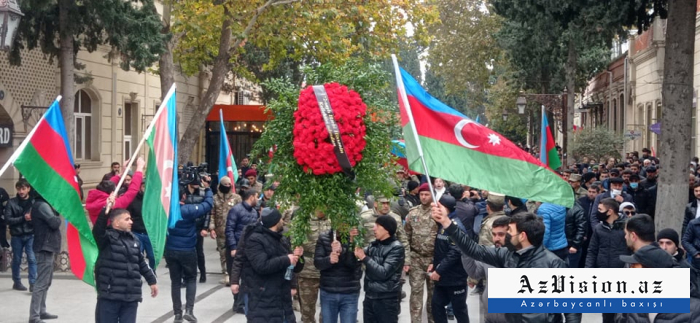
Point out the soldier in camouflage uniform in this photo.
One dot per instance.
(310, 277)
(382, 207)
(420, 232)
(494, 207)
(224, 200)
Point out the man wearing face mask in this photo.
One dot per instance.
(615, 193)
(640, 196)
(224, 199)
(524, 251)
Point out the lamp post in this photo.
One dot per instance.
(521, 102)
(10, 16)
(554, 103)
(505, 115)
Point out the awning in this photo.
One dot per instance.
(239, 113)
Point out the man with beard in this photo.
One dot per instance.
(691, 210)
(139, 227)
(479, 270)
(651, 179)
(224, 200)
(18, 217)
(524, 251)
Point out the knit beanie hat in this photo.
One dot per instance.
(449, 202)
(388, 223)
(669, 234)
(412, 185)
(270, 217)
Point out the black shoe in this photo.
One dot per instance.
(189, 316)
(203, 278)
(19, 286)
(178, 318)
(47, 316)
(31, 288)
(450, 317)
(240, 310)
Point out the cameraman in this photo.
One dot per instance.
(180, 247)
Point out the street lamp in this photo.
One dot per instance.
(505, 115)
(9, 23)
(521, 102)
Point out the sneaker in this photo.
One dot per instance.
(178, 318)
(203, 278)
(19, 287)
(31, 288)
(451, 317)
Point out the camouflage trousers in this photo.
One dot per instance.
(221, 245)
(308, 295)
(417, 278)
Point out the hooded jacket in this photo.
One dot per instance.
(184, 235)
(554, 218)
(607, 245)
(97, 199)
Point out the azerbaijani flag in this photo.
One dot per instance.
(458, 149)
(226, 162)
(548, 150)
(46, 161)
(161, 204)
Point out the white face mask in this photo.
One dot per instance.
(615, 193)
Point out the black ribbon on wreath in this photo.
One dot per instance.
(336, 139)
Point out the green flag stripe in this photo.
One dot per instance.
(154, 216)
(503, 175)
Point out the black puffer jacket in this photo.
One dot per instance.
(607, 245)
(120, 263)
(535, 257)
(466, 212)
(383, 264)
(269, 294)
(576, 225)
(47, 236)
(342, 277)
(14, 216)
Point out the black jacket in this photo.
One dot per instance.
(466, 212)
(47, 236)
(14, 216)
(690, 210)
(536, 257)
(342, 277)
(120, 263)
(135, 210)
(447, 259)
(240, 215)
(691, 238)
(576, 225)
(607, 245)
(383, 265)
(594, 209)
(587, 204)
(641, 198)
(269, 294)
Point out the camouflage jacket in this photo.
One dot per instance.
(316, 227)
(485, 237)
(368, 219)
(421, 231)
(222, 204)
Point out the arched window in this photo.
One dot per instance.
(83, 125)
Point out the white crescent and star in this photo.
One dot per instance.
(493, 138)
(458, 133)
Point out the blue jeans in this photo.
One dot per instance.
(333, 304)
(26, 243)
(146, 245)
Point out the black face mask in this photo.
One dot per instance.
(224, 189)
(601, 216)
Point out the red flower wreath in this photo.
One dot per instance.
(312, 147)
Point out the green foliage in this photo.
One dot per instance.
(501, 98)
(596, 143)
(132, 28)
(332, 194)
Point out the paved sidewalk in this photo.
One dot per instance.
(74, 301)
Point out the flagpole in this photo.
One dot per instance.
(404, 98)
(24, 143)
(161, 108)
(543, 150)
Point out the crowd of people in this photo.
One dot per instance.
(442, 249)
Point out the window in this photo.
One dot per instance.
(130, 115)
(83, 125)
(613, 113)
(623, 107)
